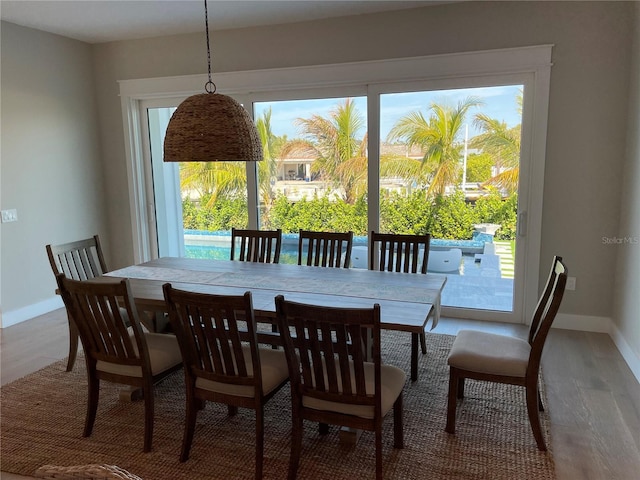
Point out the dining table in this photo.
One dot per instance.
(407, 301)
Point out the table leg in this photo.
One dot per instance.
(414, 356)
(349, 436)
(130, 394)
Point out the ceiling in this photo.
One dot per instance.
(98, 21)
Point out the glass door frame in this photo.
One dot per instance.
(524, 190)
(530, 66)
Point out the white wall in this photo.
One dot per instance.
(587, 122)
(51, 168)
(627, 280)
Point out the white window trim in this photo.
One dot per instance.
(532, 62)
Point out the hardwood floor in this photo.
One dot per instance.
(593, 398)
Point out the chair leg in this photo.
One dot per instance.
(460, 388)
(379, 452)
(73, 342)
(296, 443)
(533, 399)
(540, 404)
(193, 405)
(92, 400)
(148, 416)
(452, 401)
(423, 343)
(259, 441)
(398, 429)
(323, 428)
(414, 356)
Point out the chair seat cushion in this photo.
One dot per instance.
(164, 353)
(274, 370)
(392, 379)
(489, 353)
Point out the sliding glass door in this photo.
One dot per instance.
(449, 166)
(314, 176)
(438, 156)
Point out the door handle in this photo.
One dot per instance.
(522, 224)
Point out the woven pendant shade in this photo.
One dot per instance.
(210, 127)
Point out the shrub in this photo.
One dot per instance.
(320, 213)
(449, 217)
(411, 215)
(492, 209)
(222, 215)
(453, 217)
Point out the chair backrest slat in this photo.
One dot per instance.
(78, 260)
(97, 308)
(325, 348)
(546, 310)
(261, 246)
(399, 253)
(211, 330)
(325, 249)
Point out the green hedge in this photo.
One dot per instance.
(449, 217)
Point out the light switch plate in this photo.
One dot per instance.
(9, 215)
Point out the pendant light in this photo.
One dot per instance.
(211, 127)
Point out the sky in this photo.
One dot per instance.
(498, 102)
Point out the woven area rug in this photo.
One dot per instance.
(43, 417)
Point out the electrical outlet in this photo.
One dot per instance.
(571, 283)
(9, 215)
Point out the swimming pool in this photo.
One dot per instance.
(217, 246)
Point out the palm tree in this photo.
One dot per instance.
(340, 156)
(503, 145)
(438, 136)
(409, 169)
(229, 179)
(214, 179)
(268, 167)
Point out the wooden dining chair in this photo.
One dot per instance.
(325, 249)
(332, 381)
(504, 359)
(222, 361)
(400, 253)
(78, 260)
(256, 245)
(117, 349)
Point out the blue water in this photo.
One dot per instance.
(287, 255)
(289, 252)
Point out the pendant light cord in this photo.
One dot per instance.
(210, 87)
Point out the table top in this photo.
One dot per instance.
(406, 300)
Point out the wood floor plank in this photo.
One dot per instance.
(573, 455)
(608, 429)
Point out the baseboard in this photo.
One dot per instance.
(31, 311)
(631, 357)
(584, 323)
